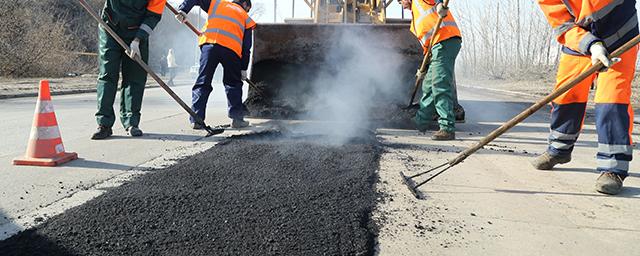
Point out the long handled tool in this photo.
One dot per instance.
(408, 180)
(198, 33)
(186, 22)
(427, 58)
(210, 131)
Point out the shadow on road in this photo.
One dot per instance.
(85, 163)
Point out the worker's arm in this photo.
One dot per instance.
(247, 41)
(151, 18)
(567, 32)
(187, 5)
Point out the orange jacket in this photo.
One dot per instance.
(580, 23)
(425, 18)
(226, 25)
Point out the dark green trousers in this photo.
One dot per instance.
(439, 85)
(113, 59)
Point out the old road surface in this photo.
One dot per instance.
(330, 203)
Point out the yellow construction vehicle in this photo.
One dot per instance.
(288, 56)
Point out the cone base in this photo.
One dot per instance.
(68, 156)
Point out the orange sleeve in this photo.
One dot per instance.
(563, 22)
(156, 6)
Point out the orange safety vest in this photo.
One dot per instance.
(226, 25)
(579, 23)
(425, 18)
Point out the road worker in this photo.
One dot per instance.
(226, 40)
(588, 31)
(133, 21)
(438, 85)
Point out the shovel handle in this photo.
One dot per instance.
(142, 64)
(427, 57)
(186, 22)
(541, 103)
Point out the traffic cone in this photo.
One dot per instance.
(45, 144)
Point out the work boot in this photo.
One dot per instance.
(609, 183)
(197, 126)
(459, 113)
(134, 131)
(547, 161)
(102, 133)
(443, 135)
(239, 123)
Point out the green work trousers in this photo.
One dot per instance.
(439, 85)
(112, 58)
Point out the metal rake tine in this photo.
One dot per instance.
(432, 177)
(428, 171)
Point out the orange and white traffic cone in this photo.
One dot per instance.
(45, 144)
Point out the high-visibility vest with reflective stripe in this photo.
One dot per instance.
(225, 25)
(424, 20)
(579, 23)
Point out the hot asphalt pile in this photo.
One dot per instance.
(253, 195)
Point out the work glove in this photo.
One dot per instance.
(181, 17)
(441, 10)
(134, 48)
(243, 73)
(600, 53)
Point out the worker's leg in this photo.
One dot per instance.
(427, 106)
(232, 80)
(134, 79)
(443, 67)
(110, 57)
(568, 111)
(202, 88)
(614, 116)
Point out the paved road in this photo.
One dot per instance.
(495, 203)
(29, 193)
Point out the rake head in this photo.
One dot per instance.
(213, 131)
(411, 185)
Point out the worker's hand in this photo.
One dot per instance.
(134, 48)
(243, 73)
(420, 74)
(441, 10)
(181, 17)
(599, 53)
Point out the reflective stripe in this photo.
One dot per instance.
(615, 149)
(631, 24)
(214, 8)
(566, 3)
(222, 32)
(44, 106)
(560, 145)
(45, 133)
(613, 164)
(586, 21)
(146, 28)
(449, 24)
(586, 42)
(59, 148)
(218, 16)
(564, 27)
(425, 38)
(248, 20)
(555, 135)
(428, 35)
(424, 13)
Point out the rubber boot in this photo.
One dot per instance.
(609, 183)
(546, 161)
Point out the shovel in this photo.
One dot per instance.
(210, 131)
(413, 187)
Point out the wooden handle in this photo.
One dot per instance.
(186, 22)
(538, 105)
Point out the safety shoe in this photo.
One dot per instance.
(134, 131)
(443, 135)
(547, 161)
(609, 183)
(197, 126)
(102, 133)
(239, 123)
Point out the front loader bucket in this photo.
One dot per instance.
(289, 60)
